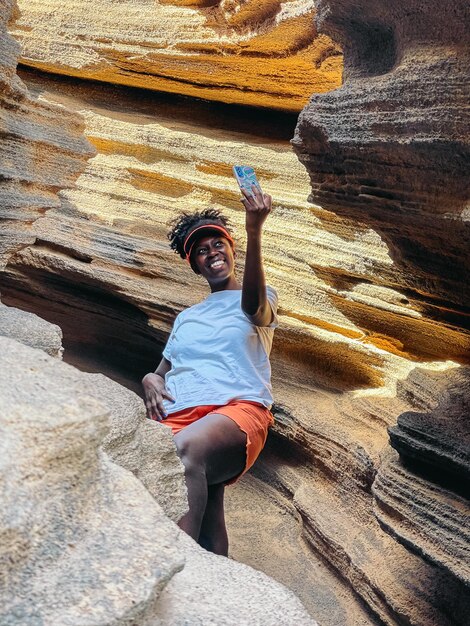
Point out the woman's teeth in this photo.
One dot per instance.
(216, 264)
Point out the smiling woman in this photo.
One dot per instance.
(213, 384)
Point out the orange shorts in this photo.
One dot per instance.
(252, 418)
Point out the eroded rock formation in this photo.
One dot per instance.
(391, 147)
(83, 542)
(357, 314)
(422, 494)
(43, 148)
(244, 51)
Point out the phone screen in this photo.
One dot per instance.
(246, 177)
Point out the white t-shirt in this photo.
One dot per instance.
(218, 355)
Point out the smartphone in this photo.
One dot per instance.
(246, 177)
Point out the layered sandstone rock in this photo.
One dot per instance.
(102, 269)
(354, 321)
(246, 52)
(324, 456)
(436, 440)
(391, 146)
(431, 520)
(83, 542)
(422, 494)
(104, 253)
(43, 148)
(108, 240)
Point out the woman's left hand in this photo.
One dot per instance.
(257, 206)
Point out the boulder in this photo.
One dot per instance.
(141, 446)
(83, 542)
(31, 330)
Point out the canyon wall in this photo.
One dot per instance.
(391, 147)
(260, 53)
(371, 271)
(83, 541)
(43, 149)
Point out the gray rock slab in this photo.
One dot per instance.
(31, 330)
(215, 591)
(144, 447)
(82, 541)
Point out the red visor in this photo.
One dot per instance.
(207, 227)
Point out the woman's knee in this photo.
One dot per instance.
(191, 453)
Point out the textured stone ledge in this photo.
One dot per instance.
(30, 330)
(42, 148)
(428, 519)
(71, 519)
(438, 441)
(247, 52)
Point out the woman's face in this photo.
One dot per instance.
(214, 258)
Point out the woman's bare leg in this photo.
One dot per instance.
(213, 450)
(213, 535)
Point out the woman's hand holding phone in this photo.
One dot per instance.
(257, 204)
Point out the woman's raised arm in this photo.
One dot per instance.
(254, 303)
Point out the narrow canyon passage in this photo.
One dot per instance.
(350, 329)
(359, 500)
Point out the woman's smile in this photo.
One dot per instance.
(217, 264)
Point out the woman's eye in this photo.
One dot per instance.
(218, 244)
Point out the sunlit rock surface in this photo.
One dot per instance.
(238, 51)
(391, 148)
(358, 314)
(42, 148)
(101, 268)
(70, 519)
(83, 542)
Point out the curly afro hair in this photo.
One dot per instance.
(182, 225)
